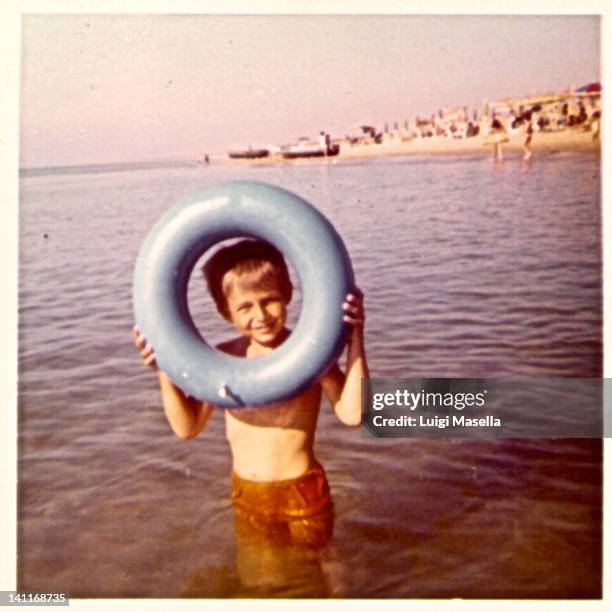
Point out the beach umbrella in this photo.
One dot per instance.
(364, 128)
(590, 88)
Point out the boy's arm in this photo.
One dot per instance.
(186, 415)
(344, 390)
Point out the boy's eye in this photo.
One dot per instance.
(273, 300)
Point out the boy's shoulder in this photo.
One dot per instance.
(237, 346)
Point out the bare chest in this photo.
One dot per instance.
(299, 413)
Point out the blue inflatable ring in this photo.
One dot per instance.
(171, 250)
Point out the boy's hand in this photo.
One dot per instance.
(354, 313)
(146, 351)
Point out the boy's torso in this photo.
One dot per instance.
(275, 442)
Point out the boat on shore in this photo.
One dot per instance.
(248, 153)
(309, 151)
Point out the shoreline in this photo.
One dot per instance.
(548, 142)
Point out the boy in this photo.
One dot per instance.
(278, 485)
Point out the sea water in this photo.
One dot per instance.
(469, 269)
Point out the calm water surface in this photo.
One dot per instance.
(469, 270)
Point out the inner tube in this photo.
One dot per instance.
(171, 250)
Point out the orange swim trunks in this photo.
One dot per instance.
(298, 510)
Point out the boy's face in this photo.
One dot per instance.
(258, 312)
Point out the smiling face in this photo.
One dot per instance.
(257, 309)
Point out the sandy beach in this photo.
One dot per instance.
(565, 140)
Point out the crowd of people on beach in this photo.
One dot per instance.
(498, 121)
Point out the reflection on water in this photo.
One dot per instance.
(469, 270)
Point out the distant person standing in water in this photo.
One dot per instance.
(528, 136)
(499, 136)
(595, 125)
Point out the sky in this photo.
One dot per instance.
(100, 88)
